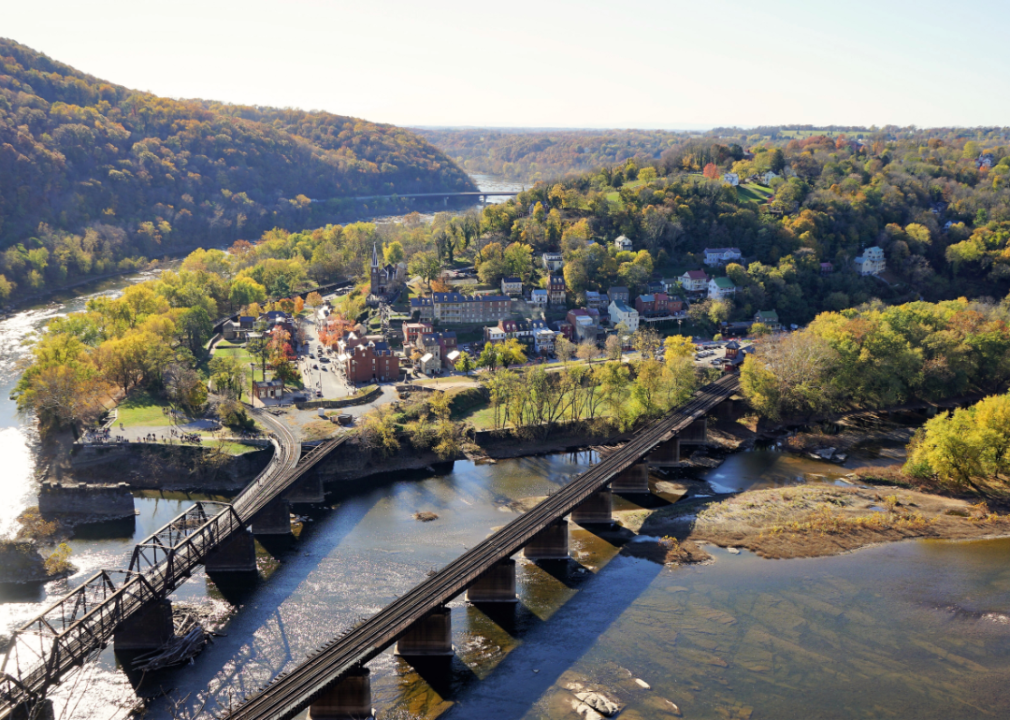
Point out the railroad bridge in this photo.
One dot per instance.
(131, 607)
(334, 682)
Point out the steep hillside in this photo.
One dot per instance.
(531, 155)
(147, 174)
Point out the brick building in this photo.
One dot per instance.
(372, 362)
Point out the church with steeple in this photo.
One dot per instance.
(383, 278)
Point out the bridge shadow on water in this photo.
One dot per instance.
(508, 656)
(257, 645)
(268, 631)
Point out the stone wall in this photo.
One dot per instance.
(145, 466)
(85, 500)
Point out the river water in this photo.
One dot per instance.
(916, 629)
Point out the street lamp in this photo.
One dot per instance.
(252, 382)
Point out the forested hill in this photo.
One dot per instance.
(128, 173)
(532, 155)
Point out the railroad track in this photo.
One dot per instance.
(293, 691)
(78, 625)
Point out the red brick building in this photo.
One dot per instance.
(371, 362)
(413, 330)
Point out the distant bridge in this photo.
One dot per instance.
(130, 606)
(482, 195)
(334, 681)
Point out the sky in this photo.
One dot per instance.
(552, 63)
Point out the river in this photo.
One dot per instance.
(916, 629)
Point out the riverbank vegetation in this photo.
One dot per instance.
(95, 176)
(967, 449)
(876, 356)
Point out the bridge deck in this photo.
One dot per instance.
(292, 692)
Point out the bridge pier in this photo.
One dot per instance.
(87, 500)
(551, 543)
(429, 636)
(632, 479)
(147, 629)
(236, 554)
(307, 490)
(274, 519)
(666, 454)
(350, 698)
(497, 585)
(696, 433)
(597, 509)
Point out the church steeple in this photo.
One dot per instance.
(375, 255)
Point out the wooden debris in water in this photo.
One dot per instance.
(425, 516)
(188, 641)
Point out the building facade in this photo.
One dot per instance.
(511, 286)
(456, 308)
(871, 262)
(556, 289)
(719, 288)
(370, 363)
(721, 256)
(694, 281)
(621, 313)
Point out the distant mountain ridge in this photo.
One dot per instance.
(76, 151)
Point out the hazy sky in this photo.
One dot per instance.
(627, 63)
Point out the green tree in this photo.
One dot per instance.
(465, 364)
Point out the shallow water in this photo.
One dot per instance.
(917, 629)
(768, 467)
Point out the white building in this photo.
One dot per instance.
(719, 288)
(694, 281)
(543, 341)
(621, 313)
(721, 256)
(871, 262)
(552, 261)
(622, 243)
(768, 177)
(539, 297)
(731, 178)
(511, 286)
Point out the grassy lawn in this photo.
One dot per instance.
(141, 409)
(233, 448)
(751, 191)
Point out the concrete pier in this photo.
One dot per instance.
(696, 433)
(633, 479)
(307, 490)
(236, 554)
(274, 519)
(149, 629)
(497, 585)
(597, 509)
(551, 543)
(666, 455)
(430, 636)
(348, 699)
(85, 500)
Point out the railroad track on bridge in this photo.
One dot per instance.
(79, 625)
(293, 691)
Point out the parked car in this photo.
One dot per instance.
(299, 398)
